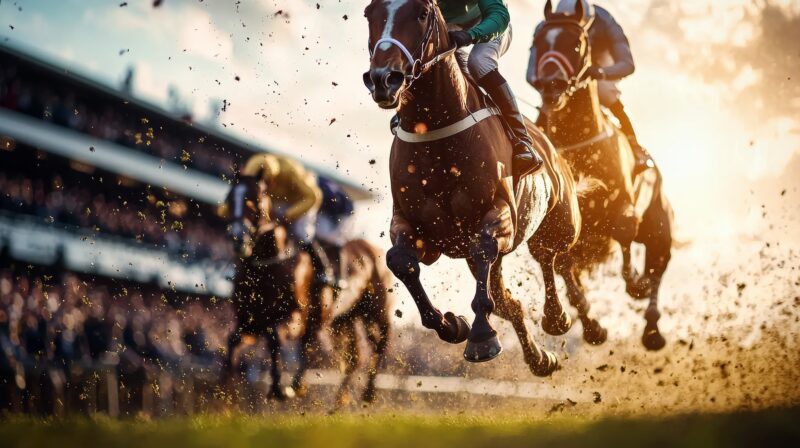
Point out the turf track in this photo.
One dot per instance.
(767, 428)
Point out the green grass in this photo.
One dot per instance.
(777, 427)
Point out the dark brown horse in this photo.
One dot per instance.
(273, 282)
(626, 209)
(452, 187)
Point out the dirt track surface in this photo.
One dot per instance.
(731, 317)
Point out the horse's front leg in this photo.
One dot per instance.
(274, 348)
(624, 231)
(496, 234)
(403, 260)
(309, 341)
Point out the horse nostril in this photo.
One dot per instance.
(368, 81)
(394, 79)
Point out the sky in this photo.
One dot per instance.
(290, 71)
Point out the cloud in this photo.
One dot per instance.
(201, 37)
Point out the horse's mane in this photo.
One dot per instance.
(457, 77)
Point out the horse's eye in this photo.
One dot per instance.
(423, 15)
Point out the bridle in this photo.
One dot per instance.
(575, 80)
(418, 68)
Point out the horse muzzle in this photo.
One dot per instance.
(553, 93)
(385, 86)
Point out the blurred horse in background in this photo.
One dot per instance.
(273, 282)
(626, 208)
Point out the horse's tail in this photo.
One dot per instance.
(587, 185)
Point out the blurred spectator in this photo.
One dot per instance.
(66, 107)
(153, 221)
(51, 332)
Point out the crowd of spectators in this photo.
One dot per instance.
(107, 119)
(55, 328)
(171, 225)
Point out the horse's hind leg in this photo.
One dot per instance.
(227, 373)
(378, 334)
(541, 362)
(308, 341)
(343, 328)
(593, 332)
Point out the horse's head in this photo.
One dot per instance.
(244, 212)
(564, 56)
(403, 34)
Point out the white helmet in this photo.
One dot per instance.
(570, 7)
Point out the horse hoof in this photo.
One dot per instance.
(638, 288)
(652, 340)
(483, 351)
(458, 329)
(369, 395)
(547, 364)
(594, 333)
(559, 326)
(278, 393)
(342, 400)
(297, 390)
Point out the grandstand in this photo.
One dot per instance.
(108, 234)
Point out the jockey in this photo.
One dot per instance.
(335, 214)
(611, 61)
(295, 200)
(485, 25)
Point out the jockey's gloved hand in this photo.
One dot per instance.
(596, 73)
(460, 37)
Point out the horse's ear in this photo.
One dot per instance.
(548, 10)
(579, 11)
(368, 8)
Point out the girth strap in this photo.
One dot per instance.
(447, 131)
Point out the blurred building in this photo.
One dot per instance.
(112, 255)
(97, 181)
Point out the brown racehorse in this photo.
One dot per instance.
(272, 283)
(627, 209)
(453, 192)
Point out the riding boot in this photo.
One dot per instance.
(322, 266)
(526, 159)
(642, 157)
